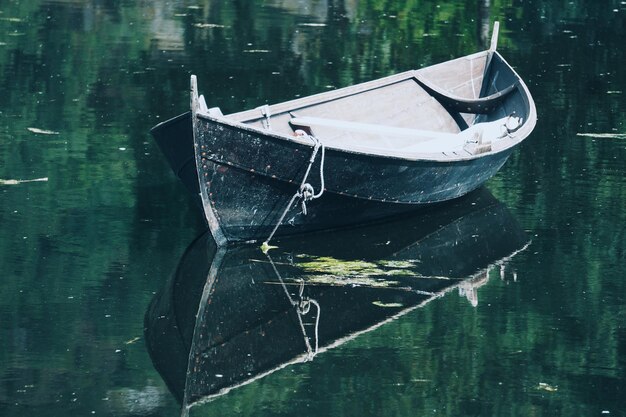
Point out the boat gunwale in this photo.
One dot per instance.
(237, 120)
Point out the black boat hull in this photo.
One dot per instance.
(248, 190)
(246, 183)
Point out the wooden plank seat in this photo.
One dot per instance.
(414, 140)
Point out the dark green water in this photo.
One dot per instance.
(83, 253)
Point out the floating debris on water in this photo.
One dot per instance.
(333, 266)
(603, 135)
(344, 270)
(547, 387)
(398, 264)
(256, 51)
(42, 131)
(208, 25)
(315, 25)
(15, 182)
(350, 281)
(131, 341)
(387, 305)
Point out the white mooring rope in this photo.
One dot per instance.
(305, 191)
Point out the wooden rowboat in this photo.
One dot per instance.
(350, 155)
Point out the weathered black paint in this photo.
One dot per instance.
(249, 196)
(249, 179)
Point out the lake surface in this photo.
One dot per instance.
(103, 270)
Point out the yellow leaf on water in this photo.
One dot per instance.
(265, 247)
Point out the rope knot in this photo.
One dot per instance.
(306, 193)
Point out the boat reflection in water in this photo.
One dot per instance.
(231, 315)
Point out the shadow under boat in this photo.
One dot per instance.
(229, 316)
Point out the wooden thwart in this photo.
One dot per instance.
(431, 141)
